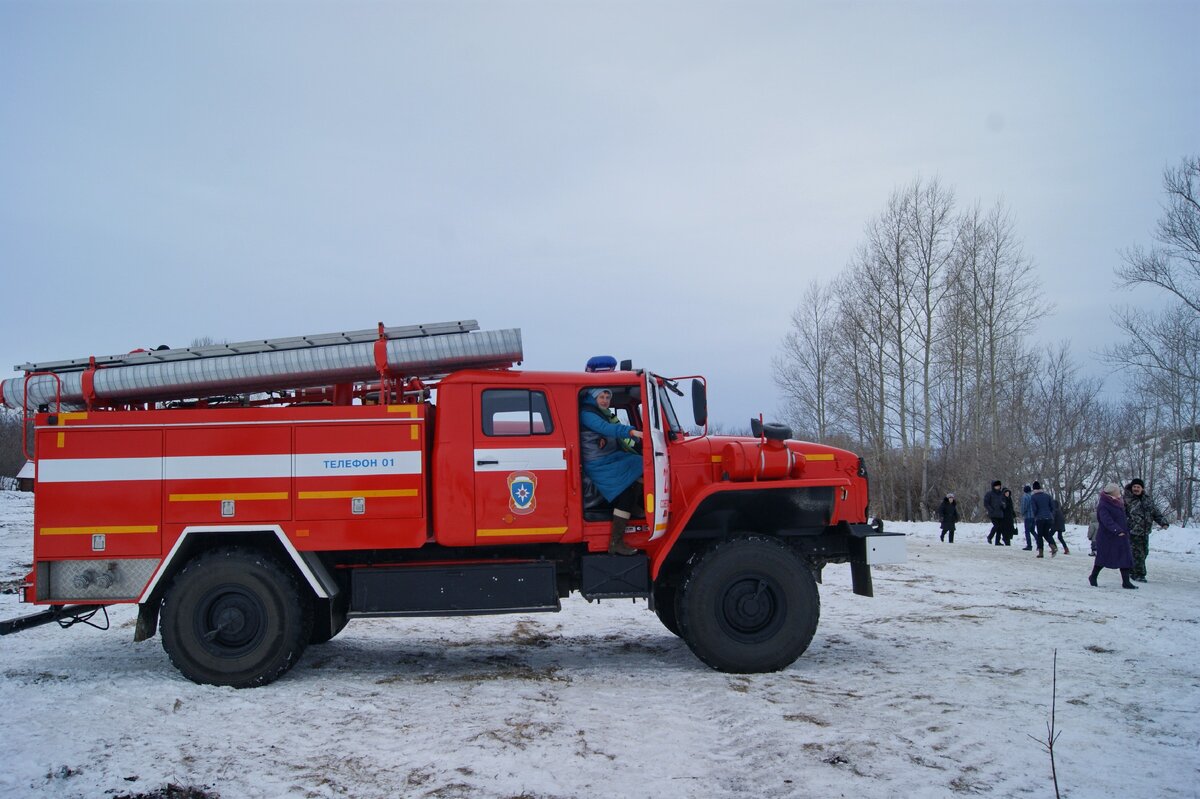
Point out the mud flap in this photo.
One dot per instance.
(860, 579)
(147, 621)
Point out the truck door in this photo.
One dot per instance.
(520, 468)
(658, 465)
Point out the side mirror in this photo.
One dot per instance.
(699, 402)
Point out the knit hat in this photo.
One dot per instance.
(1037, 486)
(1027, 489)
(1137, 481)
(996, 484)
(1113, 490)
(596, 392)
(950, 495)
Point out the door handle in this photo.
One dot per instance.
(487, 463)
(569, 456)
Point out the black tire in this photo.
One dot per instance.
(666, 606)
(235, 617)
(749, 605)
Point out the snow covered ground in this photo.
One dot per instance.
(931, 689)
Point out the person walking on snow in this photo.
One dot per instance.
(993, 505)
(1027, 515)
(1112, 537)
(1060, 523)
(1142, 514)
(948, 511)
(1010, 520)
(1043, 519)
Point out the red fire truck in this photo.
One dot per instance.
(252, 498)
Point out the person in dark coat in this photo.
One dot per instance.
(1043, 519)
(948, 511)
(616, 473)
(1112, 536)
(1010, 520)
(1143, 514)
(993, 505)
(1060, 523)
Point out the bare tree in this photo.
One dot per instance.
(1160, 355)
(1174, 264)
(1156, 339)
(12, 457)
(864, 349)
(996, 276)
(803, 370)
(932, 238)
(1071, 432)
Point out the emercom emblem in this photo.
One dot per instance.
(522, 492)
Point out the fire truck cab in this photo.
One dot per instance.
(248, 526)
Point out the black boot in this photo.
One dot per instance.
(1125, 580)
(1092, 577)
(616, 538)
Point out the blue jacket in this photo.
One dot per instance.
(1027, 506)
(609, 467)
(1043, 508)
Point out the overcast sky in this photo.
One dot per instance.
(656, 181)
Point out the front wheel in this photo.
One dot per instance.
(235, 617)
(749, 605)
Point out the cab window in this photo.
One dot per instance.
(515, 412)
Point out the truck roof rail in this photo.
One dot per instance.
(247, 347)
(384, 355)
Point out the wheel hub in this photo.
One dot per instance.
(750, 608)
(230, 621)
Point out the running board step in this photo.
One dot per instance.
(615, 576)
(466, 590)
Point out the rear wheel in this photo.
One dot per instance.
(235, 617)
(749, 605)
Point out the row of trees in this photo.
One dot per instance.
(918, 356)
(11, 456)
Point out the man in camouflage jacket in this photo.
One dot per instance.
(1142, 514)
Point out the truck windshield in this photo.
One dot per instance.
(669, 409)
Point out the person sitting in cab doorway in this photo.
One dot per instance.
(609, 463)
